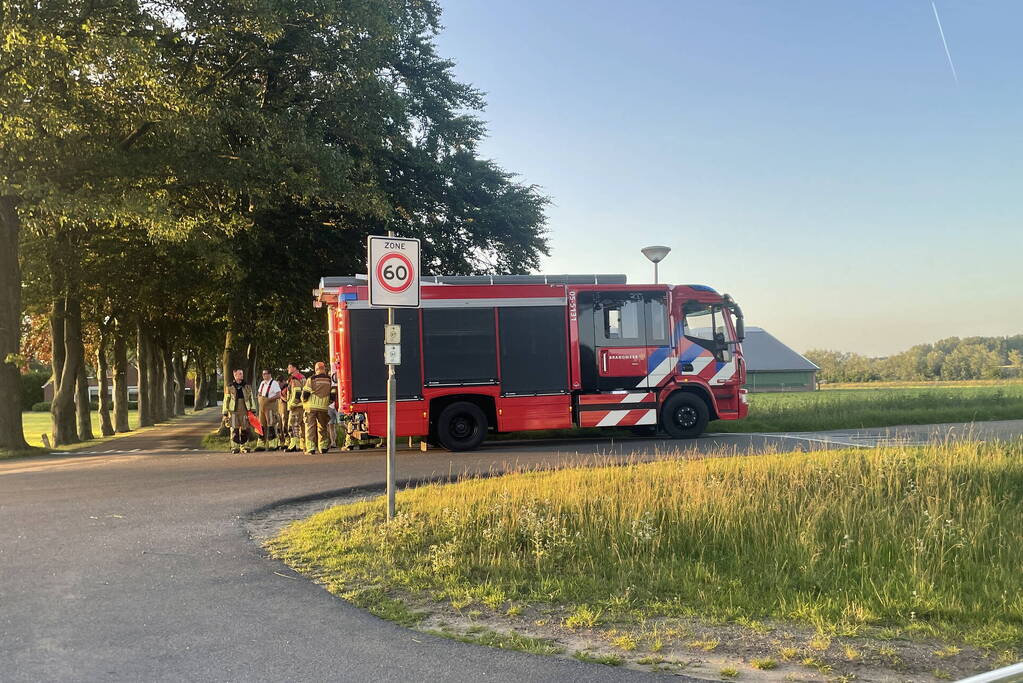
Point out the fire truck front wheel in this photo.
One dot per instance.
(462, 426)
(684, 416)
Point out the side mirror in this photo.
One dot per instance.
(740, 326)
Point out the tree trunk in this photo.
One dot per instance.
(62, 409)
(212, 389)
(200, 386)
(57, 316)
(120, 382)
(235, 354)
(251, 371)
(106, 426)
(82, 402)
(167, 356)
(181, 363)
(145, 393)
(154, 363)
(12, 436)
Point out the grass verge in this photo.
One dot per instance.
(215, 442)
(873, 407)
(480, 635)
(35, 424)
(896, 543)
(24, 453)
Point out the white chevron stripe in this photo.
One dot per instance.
(612, 418)
(662, 370)
(699, 363)
(649, 419)
(725, 373)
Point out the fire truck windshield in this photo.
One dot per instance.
(706, 322)
(705, 325)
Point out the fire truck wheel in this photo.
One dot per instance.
(461, 426)
(684, 416)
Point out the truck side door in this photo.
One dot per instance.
(659, 358)
(619, 333)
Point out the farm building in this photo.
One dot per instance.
(773, 366)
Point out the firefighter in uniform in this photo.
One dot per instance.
(282, 414)
(316, 396)
(296, 427)
(238, 401)
(356, 436)
(269, 395)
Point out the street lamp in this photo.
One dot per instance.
(656, 254)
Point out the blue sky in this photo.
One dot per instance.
(814, 159)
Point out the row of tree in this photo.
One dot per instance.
(948, 359)
(176, 176)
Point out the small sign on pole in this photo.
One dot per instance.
(392, 344)
(393, 265)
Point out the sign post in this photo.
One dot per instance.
(393, 265)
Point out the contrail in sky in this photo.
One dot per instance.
(945, 43)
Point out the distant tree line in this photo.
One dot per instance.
(175, 177)
(949, 359)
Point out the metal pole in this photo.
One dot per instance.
(392, 393)
(391, 409)
(655, 272)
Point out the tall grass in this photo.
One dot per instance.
(853, 408)
(898, 536)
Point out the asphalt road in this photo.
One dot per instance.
(133, 563)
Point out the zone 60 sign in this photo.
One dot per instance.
(393, 272)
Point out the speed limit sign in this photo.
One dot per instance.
(393, 272)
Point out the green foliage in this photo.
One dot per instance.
(32, 389)
(598, 658)
(198, 168)
(948, 359)
(894, 537)
(41, 407)
(504, 641)
(384, 606)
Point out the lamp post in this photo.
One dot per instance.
(656, 254)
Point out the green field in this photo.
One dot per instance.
(877, 407)
(920, 541)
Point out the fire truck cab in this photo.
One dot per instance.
(522, 352)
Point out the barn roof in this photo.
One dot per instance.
(764, 352)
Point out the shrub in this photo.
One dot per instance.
(41, 407)
(32, 388)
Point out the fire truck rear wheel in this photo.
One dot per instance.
(684, 416)
(462, 426)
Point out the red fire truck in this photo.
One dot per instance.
(520, 352)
